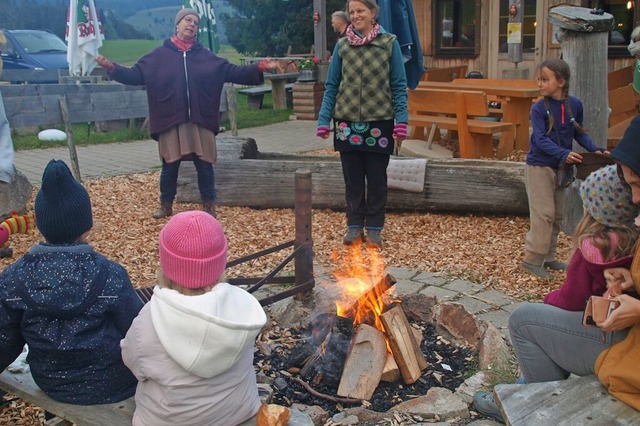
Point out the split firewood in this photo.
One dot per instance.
(402, 343)
(363, 366)
(422, 361)
(390, 372)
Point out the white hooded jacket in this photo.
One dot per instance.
(193, 357)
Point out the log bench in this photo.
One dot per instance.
(576, 401)
(23, 386)
(255, 95)
(459, 111)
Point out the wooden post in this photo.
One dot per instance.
(303, 262)
(583, 39)
(232, 107)
(320, 29)
(73, 155)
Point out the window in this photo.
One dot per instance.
(457, 28)
(528, 26)
(624, 15)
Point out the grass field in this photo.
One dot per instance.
(127, 52)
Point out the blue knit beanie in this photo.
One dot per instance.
(62, 206)
(627, 151)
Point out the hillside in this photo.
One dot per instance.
(158, 21)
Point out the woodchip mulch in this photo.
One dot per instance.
(483, 249)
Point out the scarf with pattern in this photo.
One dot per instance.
(182, 45)
(356, 40)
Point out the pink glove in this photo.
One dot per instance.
(400, 131)
(322, 131)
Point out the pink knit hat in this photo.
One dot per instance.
(193, 249)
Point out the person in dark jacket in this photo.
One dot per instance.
(68, 303)
(184, 81)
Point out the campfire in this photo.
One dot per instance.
(368, 339)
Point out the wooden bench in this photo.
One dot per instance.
(23, 386)
(444, 74)
(255, 94)
(576, 401)
(456, 110)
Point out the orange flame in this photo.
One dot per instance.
(358, 273)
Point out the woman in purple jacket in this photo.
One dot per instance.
(184, 82)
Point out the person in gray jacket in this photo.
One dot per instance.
(192, 345)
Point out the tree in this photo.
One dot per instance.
(269, 27)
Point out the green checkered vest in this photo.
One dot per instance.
(364, 93)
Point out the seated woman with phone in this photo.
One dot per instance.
(550, 343)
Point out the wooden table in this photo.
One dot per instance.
(516, 98)
(278, 89)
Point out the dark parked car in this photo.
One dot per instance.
(33, 49)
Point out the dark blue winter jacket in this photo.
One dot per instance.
(72, 306)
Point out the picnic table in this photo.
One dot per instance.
(278, 89)
(516, 97)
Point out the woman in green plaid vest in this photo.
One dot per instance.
(366, 97)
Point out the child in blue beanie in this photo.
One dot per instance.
(70, 304)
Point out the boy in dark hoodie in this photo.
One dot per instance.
(70, 304)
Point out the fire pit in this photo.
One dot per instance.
(363, 352)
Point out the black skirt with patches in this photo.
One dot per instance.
(371, 136)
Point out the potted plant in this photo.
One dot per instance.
(308, 69)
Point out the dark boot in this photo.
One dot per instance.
(165, 210)
(209, 207)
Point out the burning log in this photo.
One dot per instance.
(403, 344)
(374, 294)
(327, 361)
(364, 364)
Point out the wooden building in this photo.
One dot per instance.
(474, 33)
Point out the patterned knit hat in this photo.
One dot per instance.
(184, 12)
(193, 249)
(62, 206)
(607, 199)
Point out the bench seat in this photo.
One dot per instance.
(23, 386)
(576, 401)
(255, 94)
(458, 110)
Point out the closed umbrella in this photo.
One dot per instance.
(208, 32)
(84, 36)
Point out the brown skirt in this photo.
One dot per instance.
(185, 139)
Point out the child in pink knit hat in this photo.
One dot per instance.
(191, 347)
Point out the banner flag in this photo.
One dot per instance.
(208, 32)
(84, 36)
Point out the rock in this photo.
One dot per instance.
(299, 418)
(438, 403)
(473, 384)
(316, 413)
(14, 195)
(419, 307)
(493, 351)
(456, 320)
(52, 135)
